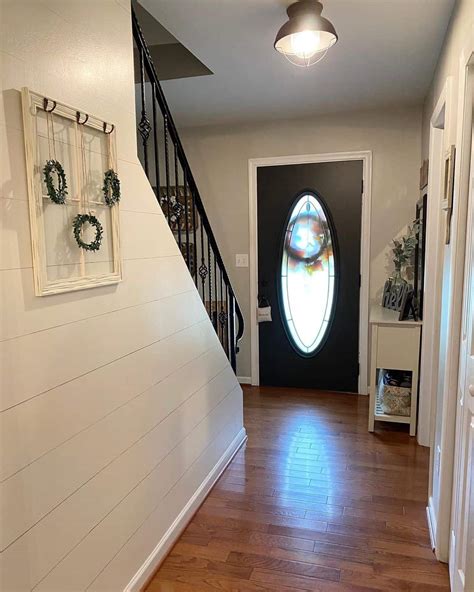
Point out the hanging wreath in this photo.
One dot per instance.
(57, 195)
(111, 188)
(77, 225)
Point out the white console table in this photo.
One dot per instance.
(394, 345)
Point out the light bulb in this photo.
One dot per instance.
(305, 44)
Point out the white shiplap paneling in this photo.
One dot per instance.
(32, 429)
(87, 453)
(172, 490)
(67, 525)
(47, 359)
(145, 280)
(118, 401)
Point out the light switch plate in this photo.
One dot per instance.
(242, 260)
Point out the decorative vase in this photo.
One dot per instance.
(397, 278)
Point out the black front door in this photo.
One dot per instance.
(309, 221)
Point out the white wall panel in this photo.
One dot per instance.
(15, 249)
(13, 75)
(171, 489)
(13, 169)
(65, 527)
(135, 190)
(30, 430)
(124, 564)
(47, 359)
(145, 280)
(27, 496)
(117, 401)
(146, 235)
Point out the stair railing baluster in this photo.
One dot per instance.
(155, 143)
(186, 218)
(209, 266)
(227, 349)
(144, 126)
(221, 313)
(224, 311)
(177, 205)
(202, 267)
(167, 170)
(215, 294)
(193, 204)
(232, 332)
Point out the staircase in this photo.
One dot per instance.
(166, 166)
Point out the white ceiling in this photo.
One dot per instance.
(385, 56)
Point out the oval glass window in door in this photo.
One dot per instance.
(308, 274)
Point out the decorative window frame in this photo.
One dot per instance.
(31, 103)
(284, 303)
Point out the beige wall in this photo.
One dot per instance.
(448, 65)
(117, 402)
(219, 160)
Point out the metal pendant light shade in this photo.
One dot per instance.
(306, 37)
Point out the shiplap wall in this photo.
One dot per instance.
(117, 403)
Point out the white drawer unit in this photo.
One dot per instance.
(394, 345)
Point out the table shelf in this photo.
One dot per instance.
(395, 345)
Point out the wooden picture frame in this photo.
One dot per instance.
(424, 174)
(409, 307)
(177, 218)
(59, 264)
(448, 189)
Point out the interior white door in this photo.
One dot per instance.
(462, 529)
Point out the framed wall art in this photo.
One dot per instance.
(424, 174)
(73, 194)
(448, 189)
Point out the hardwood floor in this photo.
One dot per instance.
(313, 502)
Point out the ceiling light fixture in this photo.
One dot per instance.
(306, 37)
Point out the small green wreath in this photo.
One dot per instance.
(77, 225)
(57, 195)
(111, 188)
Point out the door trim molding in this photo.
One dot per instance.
(457, 377)
(439, 140)
(254, 163)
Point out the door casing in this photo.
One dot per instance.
(465, 146)
(254, 163)
(442, 459)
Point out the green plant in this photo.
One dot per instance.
(111, 188)
(77, 225)
(404, 248)
(57, 195)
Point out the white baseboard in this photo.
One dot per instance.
(170, 537)
(430, 516)
(244, 379)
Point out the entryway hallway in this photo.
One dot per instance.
(312, 502)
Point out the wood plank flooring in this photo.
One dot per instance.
(313, 502)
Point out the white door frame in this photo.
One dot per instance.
(440, 120)
(254, 163)
(465, 147)
(442, 459)
(440, 136)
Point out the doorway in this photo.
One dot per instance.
(322, 201)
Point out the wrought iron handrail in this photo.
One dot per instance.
(182, 204)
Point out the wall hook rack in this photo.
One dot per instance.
(112, 127)
(78, 118)
(82, 141)
(46, 103)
